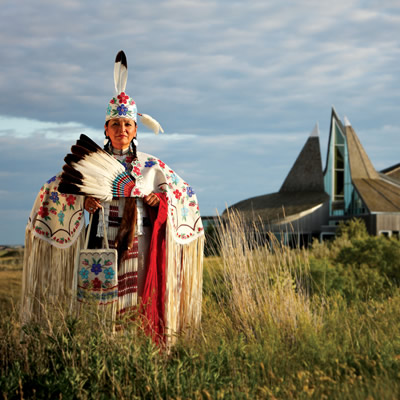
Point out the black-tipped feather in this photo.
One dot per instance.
(68, 178)
(80, 151)
(72, 172)
(91, 171)
(87, 146)
(72, 158)
(121, 57)
(90, 143)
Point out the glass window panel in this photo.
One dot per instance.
(339, 157)
(339, 138)
(339, 183)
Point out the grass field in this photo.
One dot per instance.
(281, 324)
(10, 277)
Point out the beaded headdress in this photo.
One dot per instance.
(122, 105)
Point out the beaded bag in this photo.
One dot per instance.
(97, 272)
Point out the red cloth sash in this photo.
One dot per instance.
(153, 300)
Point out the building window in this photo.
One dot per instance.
(385, 233)
(338, 203)
(356, 206)
(327, 236)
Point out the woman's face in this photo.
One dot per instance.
(121, 131)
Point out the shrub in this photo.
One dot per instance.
(356, 265)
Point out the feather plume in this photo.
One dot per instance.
(151, 123)
(120, 72)
(91, 171)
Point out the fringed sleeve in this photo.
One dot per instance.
(53, 238)
(184, 286)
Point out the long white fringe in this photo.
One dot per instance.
(48, 277)
(184, 286)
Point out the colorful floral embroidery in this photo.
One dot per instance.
(122, 97)
(184, 212)
(122, 110)
(96, 267)
(190, 192)
(177, 194)
(174, 179)
(84, 273)
(53, 218)
(44, 212)
(109, 273)
(61, 216)
(96, 282)
(54, 197)
(70, 201)
(149, 164)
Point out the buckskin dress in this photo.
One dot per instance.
(164, 267)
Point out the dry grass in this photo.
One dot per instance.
(10, 277)
(263, 336)
(266, 282)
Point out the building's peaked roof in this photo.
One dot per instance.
(302, 191)
(392, 172)
(377, 192)
(278, 207)
(346, 121)
(334, 119)
(360, 165)
(379, 195)
(306, 173)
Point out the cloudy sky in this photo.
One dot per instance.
(237, 85)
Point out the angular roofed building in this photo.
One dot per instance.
(355, 188)
(296, 212)
(312, 201)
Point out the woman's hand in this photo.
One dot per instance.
(152, 200)
(91, 205)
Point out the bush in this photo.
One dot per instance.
(356, 265)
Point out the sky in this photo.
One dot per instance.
(237, 86)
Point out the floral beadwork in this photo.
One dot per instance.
(122, 110)
(183, 209)
(122, 97)
(190, 191)
(51, 180)
(121, 106)
(54, 197)
(52, 220)
(97, 277)
(149, 164)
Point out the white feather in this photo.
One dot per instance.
(120, 73)
(151, 123)
(99, 169)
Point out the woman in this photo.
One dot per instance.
(151, 217)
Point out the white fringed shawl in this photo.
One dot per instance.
(54, 236)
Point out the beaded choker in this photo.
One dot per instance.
(119, 152)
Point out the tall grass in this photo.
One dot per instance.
(265, 334)
(265, 285)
